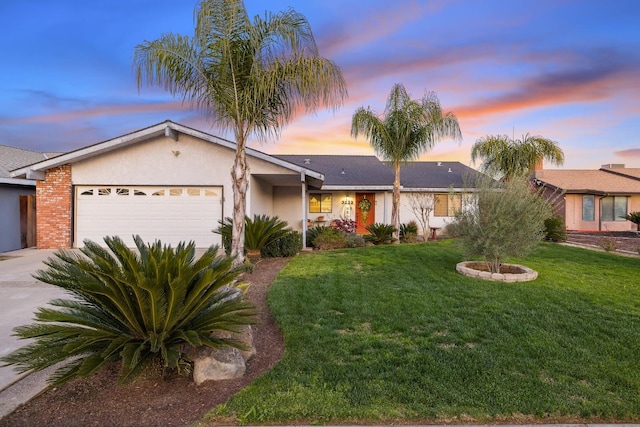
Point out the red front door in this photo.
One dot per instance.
(365, 211)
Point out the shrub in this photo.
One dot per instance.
(409, 232)
(380, 233)
(329, 238)
(502, 220)
(258, 232)
(608, 244)
(138, 308)
(312, 233)
(286, 246)
(554, 229)
(354, 241)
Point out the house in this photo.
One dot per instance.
(173, 183)
(593, 200)
(17, 199)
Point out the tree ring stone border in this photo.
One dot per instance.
(526, 274)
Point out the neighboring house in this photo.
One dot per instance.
(173, 183)
(17, 200)
(594, 200)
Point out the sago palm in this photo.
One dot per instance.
(407, 129)
(248, 77)
(507, 157)
(259, 231)
(138, 307)
(634, 217)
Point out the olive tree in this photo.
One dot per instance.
(504, 219)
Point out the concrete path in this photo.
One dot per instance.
(20, 297)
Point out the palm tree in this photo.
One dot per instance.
(407, 129)
(247, 77)
(507, 157)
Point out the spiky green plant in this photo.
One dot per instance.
(380, 233)
(259, 231)
(634, 217)
(138, 307)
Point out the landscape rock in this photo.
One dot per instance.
(217, 364)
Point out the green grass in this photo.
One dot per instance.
(394, 334)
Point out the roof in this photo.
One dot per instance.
(601, 181)
(628, 172)
(14, 158)
(368, 172)
(167, 128)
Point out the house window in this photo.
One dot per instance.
(588, 208)
(319, 203)
(447, 204)
(613, 208)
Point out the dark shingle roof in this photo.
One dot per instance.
(369, 171)
(13, 158)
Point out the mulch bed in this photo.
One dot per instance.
(623, 241)
(174, 401)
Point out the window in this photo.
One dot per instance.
(588, 208)
(319, 203)
(613, 208)
(447, 204)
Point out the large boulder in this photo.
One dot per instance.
(216, 364)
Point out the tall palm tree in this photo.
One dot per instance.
(407, 129)
(249, 77)
(506, 157)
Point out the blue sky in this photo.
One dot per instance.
(565, 69)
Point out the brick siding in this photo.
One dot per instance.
(53, 201)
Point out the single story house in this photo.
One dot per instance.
(173, 183)
(17, 199)
(593, 200)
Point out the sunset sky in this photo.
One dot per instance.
(565, 69)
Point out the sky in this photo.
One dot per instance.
(568, 70)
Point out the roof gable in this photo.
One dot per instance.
(166, 128)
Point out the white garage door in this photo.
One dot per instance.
(171, 214)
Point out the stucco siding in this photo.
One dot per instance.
(188, 161)
(287, 205)
(574, 221)
(260, 197)
(407, 215)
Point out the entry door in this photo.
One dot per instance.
(365, 211)
(27, 221)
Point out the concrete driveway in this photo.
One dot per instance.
(20, 297)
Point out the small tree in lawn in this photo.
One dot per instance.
(505, 220)
(422, 204)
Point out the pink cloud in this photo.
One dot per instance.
(630, 153)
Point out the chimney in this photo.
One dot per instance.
(539, 166)
(613, 166)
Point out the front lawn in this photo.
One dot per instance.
(392, 334)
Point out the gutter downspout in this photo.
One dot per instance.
(600, 211)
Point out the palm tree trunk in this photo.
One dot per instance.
(240, 184)
(395, 205)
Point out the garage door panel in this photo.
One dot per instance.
(171, 214)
